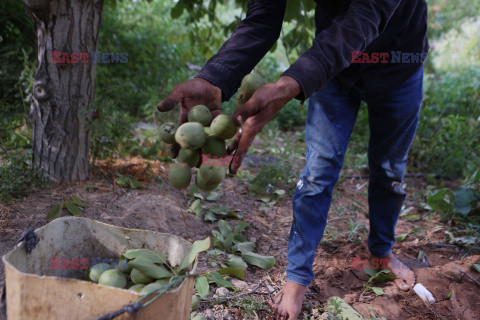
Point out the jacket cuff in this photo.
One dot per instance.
(221, 77)
(310, 74)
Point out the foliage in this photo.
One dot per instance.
(447, 140)
(376, 276)
(17, 52)
(17, 176)
(159, 56)
(72, 205)
(126, 182)
(249, 305)
(465, 200)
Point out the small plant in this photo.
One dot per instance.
(17, 176)
(376, 276)
(463, 201)
(126, 182)
(72, 205)
(249, 305)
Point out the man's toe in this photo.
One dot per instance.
(402, 285)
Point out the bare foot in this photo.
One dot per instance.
(405, 277)
(287, 304)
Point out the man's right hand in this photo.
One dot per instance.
(188, 95)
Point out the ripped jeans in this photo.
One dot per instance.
(331, 117)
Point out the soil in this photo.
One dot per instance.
(160, 208)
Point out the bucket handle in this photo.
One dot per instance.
(30, 240)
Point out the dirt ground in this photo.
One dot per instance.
(157, 208)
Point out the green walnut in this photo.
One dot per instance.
(191, 136)
(200, 114)
(180, 175)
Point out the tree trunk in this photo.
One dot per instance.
(62, 91)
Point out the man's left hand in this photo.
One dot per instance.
(256, 112)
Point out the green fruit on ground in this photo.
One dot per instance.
(223, 127)
(167, 132)
(190, 135)
(136, 288)
(214, 146)
(190, 157)
(150, 288)
(211, 174)
(97, 270)
(195, 303)
(251, 83)
(139, 278)
(113, 278)
(202, 185)
(208, 131)
(199, 316)
(123, 266)
(200, 114)
(180, 175)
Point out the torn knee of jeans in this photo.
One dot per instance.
(397, 188)
(309, 186)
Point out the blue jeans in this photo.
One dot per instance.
(331, 117)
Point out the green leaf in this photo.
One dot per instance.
(234, 215)
(177, 10)
(234, 272)
(196, 207)
(242, 225)
(149, 268)
(153, 256)
(72, 208)
(55, 212)
(218, 235)
(411, 217)
(201, 284)
(227, 243)
(219, 280)
(224, 228)
(78, 202)
(384, 275)
(401, 237)
(236, 262)
(378, 291)
(370, 271)
(135, 184)
(245, 246)
(197, 247)
(122, 181)
(220, 209)
(214, 196)
(264, 262)
(463, 200)
(210, 217)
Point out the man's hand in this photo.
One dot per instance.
(189, 94)
(256, 112)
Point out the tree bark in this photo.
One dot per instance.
(62, 91)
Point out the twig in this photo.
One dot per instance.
(469, 277)
(183, 215)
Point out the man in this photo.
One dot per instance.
(391, 35)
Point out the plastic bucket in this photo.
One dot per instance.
(46, 283)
